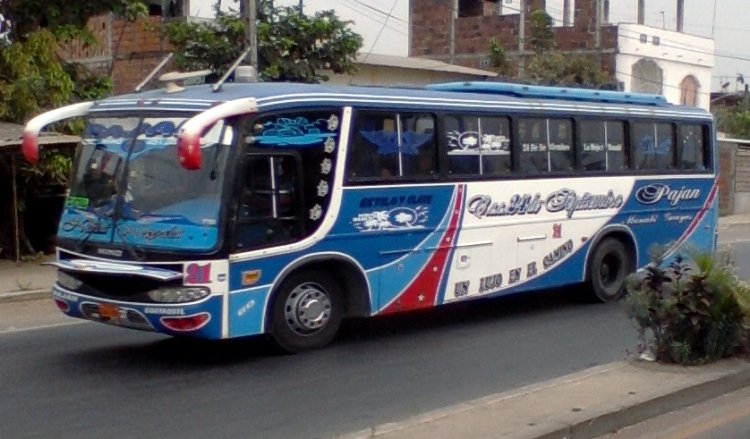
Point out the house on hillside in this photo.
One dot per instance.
(642, 58)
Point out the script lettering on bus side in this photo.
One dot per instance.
(566, 200)
(655, 192)
(86, 226)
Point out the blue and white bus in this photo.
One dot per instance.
(284, 208)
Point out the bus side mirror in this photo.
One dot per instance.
(189, 137)
(30, 145)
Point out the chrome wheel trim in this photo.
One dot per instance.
(307, 309)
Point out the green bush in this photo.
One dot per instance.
(691, 311)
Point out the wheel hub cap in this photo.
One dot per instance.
(308, 309)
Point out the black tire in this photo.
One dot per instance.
(607, 268)
(307, 311)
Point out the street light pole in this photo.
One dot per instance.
(249, 17)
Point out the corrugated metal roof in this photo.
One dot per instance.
(11, 133)
(407, 62)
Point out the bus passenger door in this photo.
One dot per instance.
(269, 209)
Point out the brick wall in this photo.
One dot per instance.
(430, 25)
(727, 159)
(129, 50)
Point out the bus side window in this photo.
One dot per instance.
(365, 154)
(560, 145)
(616, 157)
(533, 143)
(417, 147)
(462, 136)
(653, 146)
(593, 146)
(494, 146)
(602, 146)
(691, 151)
(664, 146)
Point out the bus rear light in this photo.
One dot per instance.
(62, 305)
(186, 323)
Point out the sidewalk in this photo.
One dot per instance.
(26, 280)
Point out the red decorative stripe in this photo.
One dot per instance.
(423, 290)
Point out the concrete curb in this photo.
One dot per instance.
(633, 414)
(694, 385)
(19, 296)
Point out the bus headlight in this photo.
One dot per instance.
(67, 281)
(178, 294)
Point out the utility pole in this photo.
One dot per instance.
(680, 15)
(249, 17)
(521, 39)
(641, 11)
(452, 42)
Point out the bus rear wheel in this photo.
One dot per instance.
(607, 270)
(307, 312)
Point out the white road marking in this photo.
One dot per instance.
(14, 330)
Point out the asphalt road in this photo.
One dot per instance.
(90, 380)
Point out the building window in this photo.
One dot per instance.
(689, 89)
(647, 77)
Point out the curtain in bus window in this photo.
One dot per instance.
(560, 145)
(533, 139)
(691, 147)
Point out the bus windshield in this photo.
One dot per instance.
(128, 187)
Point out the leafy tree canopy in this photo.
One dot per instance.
(568, 70)
(542, 36)
(291, 46)
(734, 121)
(63, 18)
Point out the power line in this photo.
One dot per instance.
(380, 11)
(372, 18)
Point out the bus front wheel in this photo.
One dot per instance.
(608, 267)
(307, 312)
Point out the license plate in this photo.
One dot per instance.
(109, 312)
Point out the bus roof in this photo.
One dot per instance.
(476, 96)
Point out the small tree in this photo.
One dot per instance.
(691, 311)
(542, 37)
(291, 46)
(498, 59)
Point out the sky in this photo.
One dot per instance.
(724, 20)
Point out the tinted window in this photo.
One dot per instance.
(692, 149)
(546, 145)
(478, 145)
(392, 145)
(653, 147)
(602, 146)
